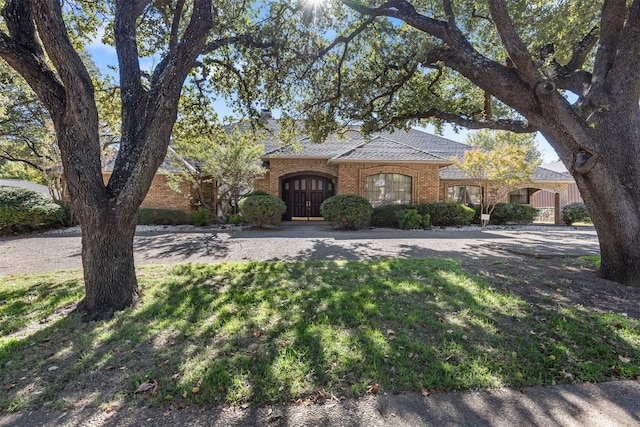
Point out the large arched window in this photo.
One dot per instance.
(388, 188)
(465, 194)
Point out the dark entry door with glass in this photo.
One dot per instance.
(304, 194)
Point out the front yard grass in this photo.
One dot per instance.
(259, 332)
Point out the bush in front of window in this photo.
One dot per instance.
(514, 213)
(410, 219)
(575, 212)
(347, 212)
(262, 210)
(387, 215)
(447, 214)
(159, 216)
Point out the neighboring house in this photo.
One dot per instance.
(388, 167)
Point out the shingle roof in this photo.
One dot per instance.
(381, 149)
(539, 175)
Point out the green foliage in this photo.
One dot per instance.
(447, 214)
(257, 193)
(235, 219)
(23, 210)
(262, 210)
(387, 215)
(410, 219)
(513, 213)
(426, 221)
(489, 140)
(575, 212)
(156, 216)
(199, 217)
(347, 212)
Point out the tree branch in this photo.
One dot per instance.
(611, 24)
(513, 44)
(516, 126)
(625, 73)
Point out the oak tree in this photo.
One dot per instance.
(568, 69)
(225, 40)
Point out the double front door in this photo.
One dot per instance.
(304, 194)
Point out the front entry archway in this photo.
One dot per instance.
(304, 194)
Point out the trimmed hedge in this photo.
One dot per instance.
(387, 215)
(447, 214)
(261, 210)
(24, 210)
(347, 212)
(575, 212)
(157, 216)
(199, 217)
(410, 219)
(513, 213)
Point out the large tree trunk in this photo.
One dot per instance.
(107, 259)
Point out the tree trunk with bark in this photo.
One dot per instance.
(107, 213)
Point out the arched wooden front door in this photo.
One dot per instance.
(304, 194)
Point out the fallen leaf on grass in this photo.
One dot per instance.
(9, 387)
(373, 389)
(390, 332)
(624, 359)
(424, 392)
(146, 386)
(185, 395)
(256, 334)
(176, 376)
(195, 390)
(552, 357)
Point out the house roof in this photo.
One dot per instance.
(414, 145)
(541, 174)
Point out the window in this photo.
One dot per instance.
(388, 188)
(465, 194)
(519, 196)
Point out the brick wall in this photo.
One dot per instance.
(283, 168)
(162, 197)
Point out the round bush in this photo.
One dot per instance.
(410, 219)
(513, 213)
(575, 212)
(347, 212)
(235, 219)
(24, 210)
(447, 214)
(262, 210)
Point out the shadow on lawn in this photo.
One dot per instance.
(309, 332)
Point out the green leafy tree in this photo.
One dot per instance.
(506, 166)
(223, 47)
(487, 139)
(230, 160)
(567, 69)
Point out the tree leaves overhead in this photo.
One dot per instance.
(382, 71)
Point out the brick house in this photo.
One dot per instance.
(388, 167)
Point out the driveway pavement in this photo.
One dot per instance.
(301, 241)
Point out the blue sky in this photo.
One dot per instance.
(104, 56)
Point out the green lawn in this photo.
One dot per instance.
(274, 332)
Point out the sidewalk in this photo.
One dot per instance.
(610, 404)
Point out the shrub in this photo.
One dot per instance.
(575, 212)
(261, 210)
(447, 214)
(199, 217)
(348, 212)
(257, 193)
(387, 215)
(156, 216)
(235, 219)
(410, 219)
(426, 221)
(513, 213)
(24, 210)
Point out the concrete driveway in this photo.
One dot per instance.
(292, 241)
